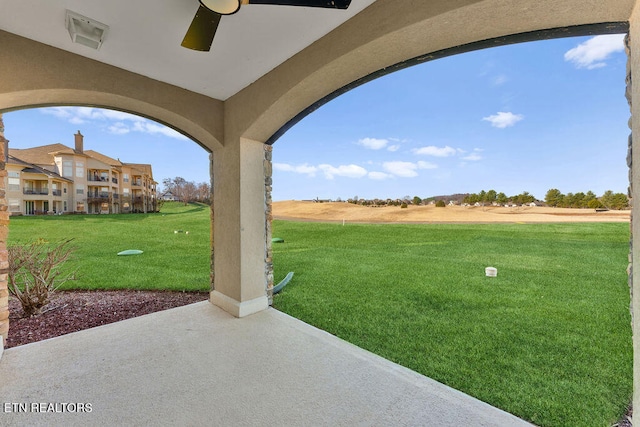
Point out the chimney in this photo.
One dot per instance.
(79, 142)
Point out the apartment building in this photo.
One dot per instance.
(56, 179)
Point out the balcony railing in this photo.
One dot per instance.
(36, 191)
(57, 192)
(94, 178)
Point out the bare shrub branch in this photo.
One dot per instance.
(35, 273)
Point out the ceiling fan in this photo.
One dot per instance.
(204, 25)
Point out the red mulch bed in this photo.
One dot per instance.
(72, 311)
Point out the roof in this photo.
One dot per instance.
(31, 168)
(142, 167)
(41, 155)
(104, 159)
(45, 155)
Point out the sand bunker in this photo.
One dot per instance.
(338, 212)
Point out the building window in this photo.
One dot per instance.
(125, 177)
(79, 170)
(67, 168)
(65, 204)
(80, 189)
(13, 174)
(14, 205)
(80, 207)
(13, 184)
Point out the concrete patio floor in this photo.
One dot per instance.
(197, 365)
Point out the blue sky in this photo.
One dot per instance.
(526, 117)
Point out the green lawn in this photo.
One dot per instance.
(548, 340)
(171, 261)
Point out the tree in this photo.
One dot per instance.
(187, 191)
(553, 197)
(619, 201)
(417, 200)
(491, 196)
(482, 197)
(502, 198)
(203, 191)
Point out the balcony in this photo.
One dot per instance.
(101, 196)
(57, 192)
(114, 180)
(36, 191)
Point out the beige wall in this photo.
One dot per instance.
(69, 79)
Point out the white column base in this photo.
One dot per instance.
(238, 309)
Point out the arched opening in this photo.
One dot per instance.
(110, 182)
(348, 141)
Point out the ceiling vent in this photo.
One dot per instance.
(85, 31)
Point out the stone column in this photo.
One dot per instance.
(4, 230)
(268, 182)
(239, 248)
(633, 96)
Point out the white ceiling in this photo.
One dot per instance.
(145, 35)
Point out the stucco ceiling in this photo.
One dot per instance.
(144, 37)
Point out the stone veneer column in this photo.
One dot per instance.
(4, 230)
(628, 92)
(633, 97)
(268, 172)
(212, 274)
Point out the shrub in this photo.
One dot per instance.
(35, 272)
(440, 204)
(403, 205)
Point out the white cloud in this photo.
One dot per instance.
(304, 169)
(348, 171)
(502, 119)
(379, 143)
(379, 176)
(473, 157)
(373, 143)
(117, 122)
(593, 53)
(432, 150)
(403, 169)
(119, 128)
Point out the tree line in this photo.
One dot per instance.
(608, 200)
(187, 191)
(553, 198)
(492, 196)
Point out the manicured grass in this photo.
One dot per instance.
(170, 261)
(548, 339)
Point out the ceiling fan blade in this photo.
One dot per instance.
(331, 4)
(202, 30)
